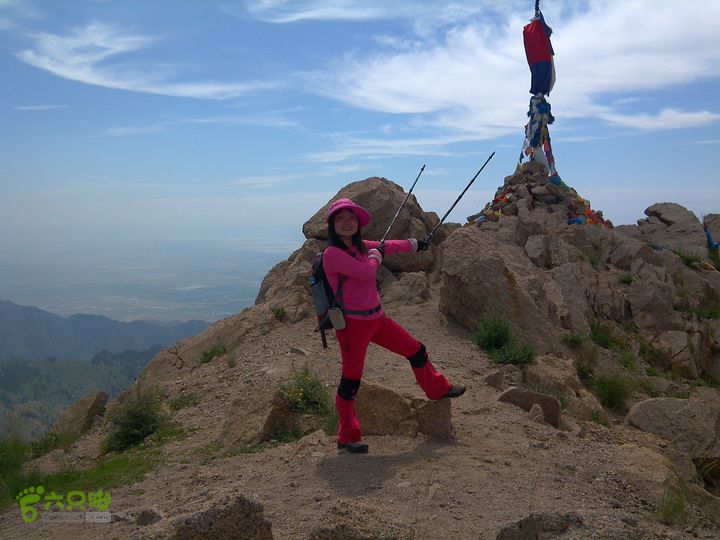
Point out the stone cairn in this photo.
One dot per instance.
(532, 187)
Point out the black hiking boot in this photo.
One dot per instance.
(456, 390)
(354, 447)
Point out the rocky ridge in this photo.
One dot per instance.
(521, 455)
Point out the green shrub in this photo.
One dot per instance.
(655, 356)
(212, 352)
(689, 259)
(674, 504)
(708, 380)
(13, 455)
(626, 278)
(628, 360)
(133, 421)
(613, 390)
(307, 394)
(279, 313)
(573, 340)
(513, 353)
(601, 334)
(493, 332)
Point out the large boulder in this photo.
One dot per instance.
(674, 227)
(692, 425)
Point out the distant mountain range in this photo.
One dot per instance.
(33, 334)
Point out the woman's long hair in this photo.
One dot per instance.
(336, 241)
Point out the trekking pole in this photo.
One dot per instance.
(429, 236)
(402, 205)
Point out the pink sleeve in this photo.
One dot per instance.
(338, 261)
(392, 246)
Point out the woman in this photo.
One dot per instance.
(354, 262)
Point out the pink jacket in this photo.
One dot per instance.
(359, 291)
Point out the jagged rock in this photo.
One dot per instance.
(79, 417)
(383, 411)
(537, 526)
(478, 278)
(553, 375)
(673, 227)
(525, 399)
(243, 518)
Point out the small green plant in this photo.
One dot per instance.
(628, 360)
(613, 390)
(585, 366)
(13, 455)
(513, 353)
(652, 372)
(601, 334)
(133, 421)
(184, 400)
(599, 417)
(714, 258)
(706, 379)
(279, 313)
(708, 312)
(647, 387)
(689, 259)
(655, 356)
(674, 503)
(307, 394)
(573, 340)
(493, 332)
(53, 440)
(591, 254)
(212, 352)
(626, 278)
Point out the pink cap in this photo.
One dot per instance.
(362, 214)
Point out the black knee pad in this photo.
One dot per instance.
(348, 388)
(420, 358)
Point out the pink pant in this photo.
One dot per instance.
(354, 341)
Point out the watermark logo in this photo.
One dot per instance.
(76, 506)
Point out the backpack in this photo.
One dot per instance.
(323, 297)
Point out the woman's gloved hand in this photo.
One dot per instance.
(423, 245)
(374, 253)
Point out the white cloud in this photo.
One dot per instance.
(39, 107)
(665, 119)
(86, 55)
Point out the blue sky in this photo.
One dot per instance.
(135, 122)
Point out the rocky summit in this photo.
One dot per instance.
(597, 416)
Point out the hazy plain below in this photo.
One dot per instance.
(169, 281)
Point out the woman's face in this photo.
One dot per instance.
(345, 223)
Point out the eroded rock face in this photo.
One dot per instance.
(79, 417)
